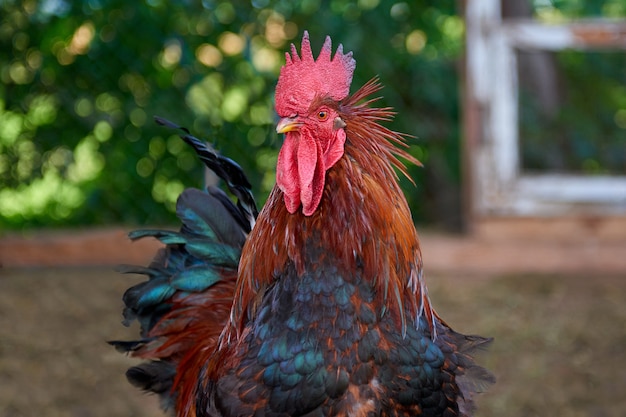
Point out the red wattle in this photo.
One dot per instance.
(311, 172)
(300, 172)
(301, 168)
(287, 172)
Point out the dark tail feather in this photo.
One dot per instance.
(154, 377)
(195, 271)
(472, 378)
(150, 377)
(124, 346)
(191, 280)
(225, 168)
(477, 378)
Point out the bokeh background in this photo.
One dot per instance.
(81, 82)
(79, 152)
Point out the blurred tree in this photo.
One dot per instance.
(82, 80)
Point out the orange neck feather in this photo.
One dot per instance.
(363, 221)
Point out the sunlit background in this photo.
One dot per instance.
(81, 82)
(84, 79)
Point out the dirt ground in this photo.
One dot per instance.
(560, 345)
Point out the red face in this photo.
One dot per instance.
(307, 94)
(313, 143)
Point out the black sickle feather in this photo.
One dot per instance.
(201, 255)
(224, 167)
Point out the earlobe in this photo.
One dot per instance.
(338, 123)
(335, 148)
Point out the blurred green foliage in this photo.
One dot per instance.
(586, 132)
(557, 10)
(77, 142)
(583, 130)
(82, 80)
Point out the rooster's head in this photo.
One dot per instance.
(308, 94)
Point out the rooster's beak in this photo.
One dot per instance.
(288, 124)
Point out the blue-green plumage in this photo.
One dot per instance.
(340, 326)
(318, 344)
(197, 266)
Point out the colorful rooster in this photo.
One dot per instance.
(317, 306)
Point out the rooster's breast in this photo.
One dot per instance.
(318, 346)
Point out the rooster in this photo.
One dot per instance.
(317, 305)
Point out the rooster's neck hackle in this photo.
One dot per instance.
(363, 223)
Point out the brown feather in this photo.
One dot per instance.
(363, 211)
(188, 335)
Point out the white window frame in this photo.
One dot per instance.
(498, 186)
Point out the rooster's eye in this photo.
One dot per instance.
(322, 115)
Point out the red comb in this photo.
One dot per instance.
(303, 77)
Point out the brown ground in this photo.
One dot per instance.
(560, 346)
